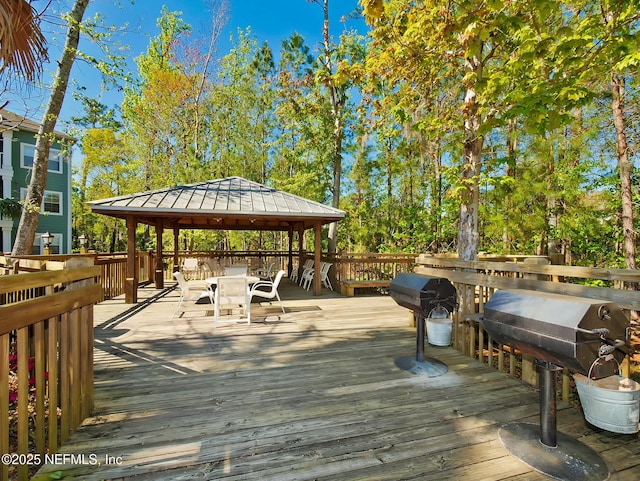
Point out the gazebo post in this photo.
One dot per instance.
(159, 277)
(176, 235)
(290, 265)
(300, 247)
(131, 279)
(317, 282)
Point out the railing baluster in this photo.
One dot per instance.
(52, 369)
(23, 397)
(4, 403)
(65, 378)
(39, 354)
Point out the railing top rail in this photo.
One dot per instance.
(16, 315)
(627, 275)
(373, 256)
(625, 299)
(31, 280)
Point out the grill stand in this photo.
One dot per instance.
(543, 448)
(425, 366)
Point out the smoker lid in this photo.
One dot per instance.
(528, 308)
(568, 331)
(565, 313)
(419, 292)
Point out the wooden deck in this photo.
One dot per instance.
(312, 394)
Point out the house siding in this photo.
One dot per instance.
(57, 182)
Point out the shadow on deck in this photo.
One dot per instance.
(312, 394)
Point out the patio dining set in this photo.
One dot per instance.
(234, 288)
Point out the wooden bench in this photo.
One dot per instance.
(348, 287)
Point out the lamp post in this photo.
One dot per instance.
(47, 238)
(83, 243)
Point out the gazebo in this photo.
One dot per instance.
(232, 203)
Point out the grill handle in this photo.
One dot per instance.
(612, 346)
(601, 331)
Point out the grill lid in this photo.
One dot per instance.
(565, 330)
(422, 293)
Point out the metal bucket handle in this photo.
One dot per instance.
(608, 357)
(438, 307)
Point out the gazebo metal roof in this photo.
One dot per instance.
(230, 203)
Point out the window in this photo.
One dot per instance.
(51, 201)
(28, 152)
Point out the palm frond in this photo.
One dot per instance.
(23, 48)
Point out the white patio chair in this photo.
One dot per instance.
(235, 271)
(266, 272)
(307, 270)
(258, 289)
(188, 293)
(231, 293)
(190, 267)
(213, 266)
(307, 277)
(324, 274)
(294, 275)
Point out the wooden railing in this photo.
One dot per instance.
(346, 266)
(114, 267)
(114, 273)
(213, 259)
(477, 281)
(46, 361)
(367, 267)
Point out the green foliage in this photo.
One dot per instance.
(10, 208)
(530, 80)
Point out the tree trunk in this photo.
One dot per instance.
(468, 238)
(625, 167)
(29, 220)
(336, 97)
(512, 143)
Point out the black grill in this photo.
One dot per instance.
(567, 331)
(422, 293)
(557, 330)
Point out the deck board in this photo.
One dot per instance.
(312, 394)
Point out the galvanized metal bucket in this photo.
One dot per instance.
(439, 327)
(611, 403)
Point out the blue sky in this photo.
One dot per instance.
(270, 21)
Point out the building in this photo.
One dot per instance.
(17, 148)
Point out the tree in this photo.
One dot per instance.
(242, 117)
(29, 218)
(429, 45)
(297, 167)
(331, 74)
(623, 22)
(154, 110)
(101, 149)
(10, 208)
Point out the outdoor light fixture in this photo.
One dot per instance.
(83, 243)
(47, 238)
